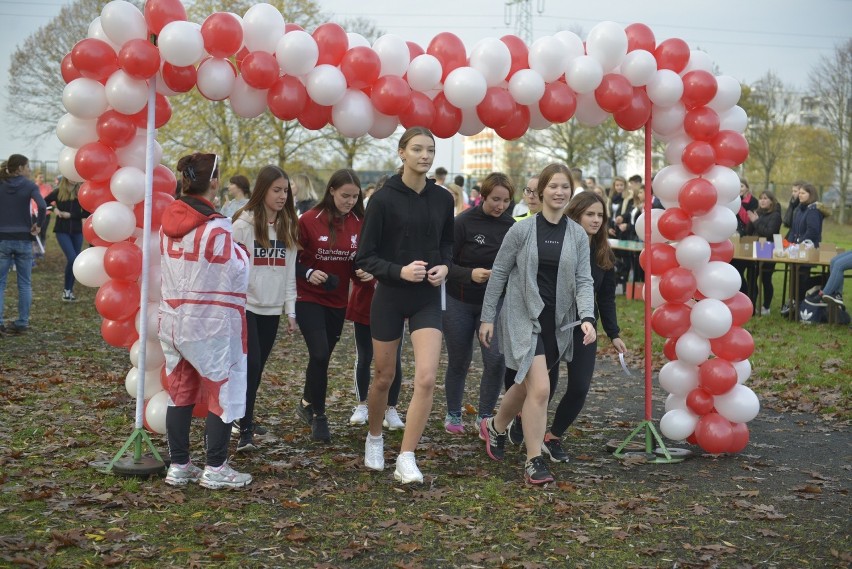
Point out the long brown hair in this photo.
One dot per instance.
(337, 180)
(9, 168)
(604, 257)
(286, 223)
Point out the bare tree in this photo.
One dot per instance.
(569, 143)
(831, 78)
(614, 145)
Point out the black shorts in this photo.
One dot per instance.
(393, 305)
(545, 345)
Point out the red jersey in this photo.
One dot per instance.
(360, 300)
(319, 253)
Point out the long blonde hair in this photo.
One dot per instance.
(67, 190)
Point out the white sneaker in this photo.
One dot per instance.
(374, 452)
(223, 477)
(182, 474)
(764, 311)
(359, 416)
(392, 420)
(406, 469)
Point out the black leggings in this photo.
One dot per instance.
(321, 327)
(216, 436)
(262, 330)
(580, 371)
(364, 361)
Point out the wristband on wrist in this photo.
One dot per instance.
(308, 274)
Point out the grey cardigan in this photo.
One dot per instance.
(515, 270)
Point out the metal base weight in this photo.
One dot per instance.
(136, 465)
(655, 451)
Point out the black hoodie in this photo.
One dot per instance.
(401, 226)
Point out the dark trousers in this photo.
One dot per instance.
(262, 330)
(216, 436)
(364, 363)
(580, 371)
(321, 327)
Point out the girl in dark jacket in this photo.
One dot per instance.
(807, 226)
(68, 228)
(764, 222)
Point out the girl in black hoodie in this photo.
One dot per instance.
(406, 243)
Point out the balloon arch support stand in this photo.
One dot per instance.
(120, 78)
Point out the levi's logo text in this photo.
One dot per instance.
(275, 255)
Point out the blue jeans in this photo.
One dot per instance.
(21, 253)
(839, 264)
(71, 244)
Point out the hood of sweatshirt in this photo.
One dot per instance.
(15, 184)
(409, 200)
(185, 214)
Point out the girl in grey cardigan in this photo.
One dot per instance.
(543, 266)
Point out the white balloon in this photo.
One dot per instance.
(657, 299)
(607, 43)
(216, 78)
(710, 318)
(665, 88)
(126, 94)
(97, 32)
(153, 385)
(122, 22)
(383, 125)
(246, 101)
(678, 377)
(734, 119)
(728, 91)
(734, 205)
(470, 124)
(726, 182)
(656, 236)
(155, 412)
(675, 402)
(133, 154)
(573, 44)
(547, 56)
(537, 120)
(692, 252)
(113, 222)
(692, 348)
(698, 61)
(180, 43)
(128, 185)
(491, 57)
(639, 67)
(583, 74)
(719, 280)
(739, 405)
(297, 53)
(424, 72)
(75, 132)
(154, 357)
(89, 267)
(743, 370)
(357, 40)
(667, 120)
(675, 148)
(326, 85)
(526, 87)
(352, 115)
(152, 316)
(84, 98)
(716, 226)
(67, 156)
(393, 53)
(669, 181)
(678, 424)
(588, 111)
(263, 26)
(465, 87)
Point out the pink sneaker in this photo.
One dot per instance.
(453, 424)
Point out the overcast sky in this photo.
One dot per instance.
(745, 38)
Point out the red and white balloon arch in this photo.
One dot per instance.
(258, 62)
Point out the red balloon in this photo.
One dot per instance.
(223, 34)
(314, 116)
(662, 258)
(692, 440)
(449, 50)
(414, 50)
(123, 260)
(700, 401)
(731, 148)
(675, 224)
(119, 333)
(332, 42)
(162, 113)
(117, 300)
(697, 196)
(699, 88)
(722, 251)
(637, 113)
(519, 52)
(701, 124)
(391, 95)
(496, 108)
(741, 308)
(517, 126)
(677, 285)
(69, 72)
(139, 58)
(614, 93)
(240, 56)
(735, 345)
(740, 437)
(420, 111)
(115, 129)
(159, 202)
(698, 156)
(260, 70)
(96, 161)
(179, 79)
(717, 376)
(94, 59)
(669, 348)
(714, 433)
(447, 119)
(361, 66)
(673, 54)
(558, 102)
(640, 36)
(89, 233)
(287, 98)
(164, 180)
(158, 13)
(670, 320)
(291, 27)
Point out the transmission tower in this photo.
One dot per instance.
(520, 11)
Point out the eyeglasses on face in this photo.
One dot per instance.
(528, 191)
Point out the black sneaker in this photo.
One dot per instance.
(836, 298)
(536, 472)
(305, 413)
(15, 329)
(553, 448)
(516, 431)
(495, 443)
(246, 443)
(319, 429)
